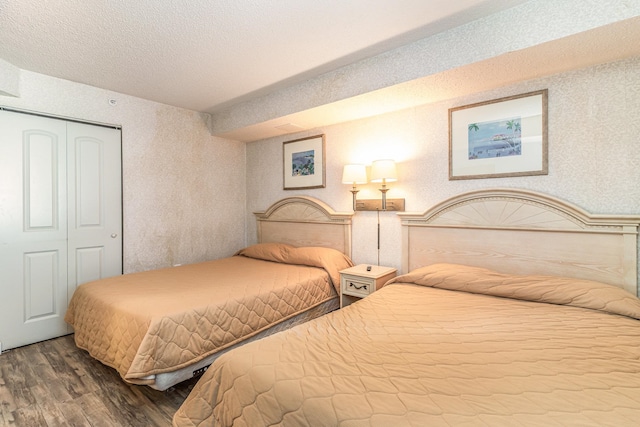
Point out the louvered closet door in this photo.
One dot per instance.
(49, 169)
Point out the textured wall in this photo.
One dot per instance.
(526, 25)
(594, 160)
(183, 190)
(9, 79)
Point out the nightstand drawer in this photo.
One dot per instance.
(361, 281)
(357, 287)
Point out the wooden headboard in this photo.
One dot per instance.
(305, 221)
(524, 232)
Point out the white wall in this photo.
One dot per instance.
(594, 156)
(183, 190)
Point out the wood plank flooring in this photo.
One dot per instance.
(53, 383)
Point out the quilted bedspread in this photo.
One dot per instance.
(442, 346)
(163, 320)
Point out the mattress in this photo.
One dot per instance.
(444, 345)
(165, 380)
(160, 321)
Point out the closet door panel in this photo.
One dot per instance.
(41, 171)
(40, 284)
(89, 173)
(33, 229)
(89, 264)
(95, 204)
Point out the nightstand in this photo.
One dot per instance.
(356, 282)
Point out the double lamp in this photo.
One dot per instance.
(382, 171)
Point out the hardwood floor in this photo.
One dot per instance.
(53, 383)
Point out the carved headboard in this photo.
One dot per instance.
(524, 232)
(305, 221)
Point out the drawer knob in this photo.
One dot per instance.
(353, 285)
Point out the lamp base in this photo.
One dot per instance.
(393, 205)
(354, 191)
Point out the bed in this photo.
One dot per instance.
(517, 309)
(161, 327)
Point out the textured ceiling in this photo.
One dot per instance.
(205, 55)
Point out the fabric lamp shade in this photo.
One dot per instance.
(354, 174)
(383, 170)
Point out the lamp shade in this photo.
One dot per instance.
(354, 174)
(383, 170)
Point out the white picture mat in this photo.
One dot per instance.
(316, 180)
(530, 109)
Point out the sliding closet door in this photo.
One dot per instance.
(59, 194)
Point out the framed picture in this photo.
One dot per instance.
(304, 163)
(500, 138)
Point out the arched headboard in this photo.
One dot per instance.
(305, 221)
(524, 232)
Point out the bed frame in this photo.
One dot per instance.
(524, 232)
(299, 221)
(304, 221)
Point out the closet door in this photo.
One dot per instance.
(33, 228)
(47, 169)
(94, 219)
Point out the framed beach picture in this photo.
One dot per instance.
(500, 138)
(304, 163)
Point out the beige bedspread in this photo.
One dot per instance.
(159, 321)
(443, 346)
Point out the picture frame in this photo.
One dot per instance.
(303, 163)
(504, 137)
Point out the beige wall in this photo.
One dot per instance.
(183, 190)
(594, 155)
